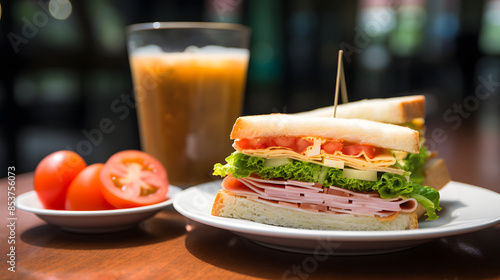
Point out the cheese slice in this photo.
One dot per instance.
(381, 162)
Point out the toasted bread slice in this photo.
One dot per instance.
(239, 207)
(395, 110)
(356, 131)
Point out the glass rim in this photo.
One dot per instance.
(186, 25)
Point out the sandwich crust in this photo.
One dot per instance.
(436, 173)
(356, 131)
(239, 207)
(396, 110)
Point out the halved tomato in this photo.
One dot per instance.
(132, 179)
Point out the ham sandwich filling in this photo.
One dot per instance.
(313, 197)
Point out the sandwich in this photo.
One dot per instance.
(425, 167)
(321, 173)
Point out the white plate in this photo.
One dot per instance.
(98, 221)
(466, 208)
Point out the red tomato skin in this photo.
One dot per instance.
(53, 175)
(296, 144)
(231, 184)
(84, 192)
(253, 143)
(331, 147)
(115, 196)
(243, 144)
(285, 141)
(301, 145)
(356, 149)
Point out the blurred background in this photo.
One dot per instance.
(64, 65)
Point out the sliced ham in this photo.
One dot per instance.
(309, 197)
(352, 193)
(308, 185)
(288, 204)
(304, 184)
(313, 207)
(335, 192)
(302, 190)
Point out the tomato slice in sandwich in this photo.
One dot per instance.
(132, 179)
(354, 150)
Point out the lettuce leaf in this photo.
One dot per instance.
(414, 163)
(427, 197)
(388, 185)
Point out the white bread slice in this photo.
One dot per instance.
(436, 173)
(234, 206)
(396, 110)
(436, 176)
(357, 131)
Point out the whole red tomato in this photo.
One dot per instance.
(84, 192)
(53, 176)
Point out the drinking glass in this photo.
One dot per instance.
(189, 81)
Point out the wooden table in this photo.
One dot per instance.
(163, 247)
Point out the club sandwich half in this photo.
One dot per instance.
(425, 167)
(321, 173)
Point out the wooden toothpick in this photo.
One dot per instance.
(337, 83)
(343, 87)
(340, 82)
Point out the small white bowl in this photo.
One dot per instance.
(99, 221)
